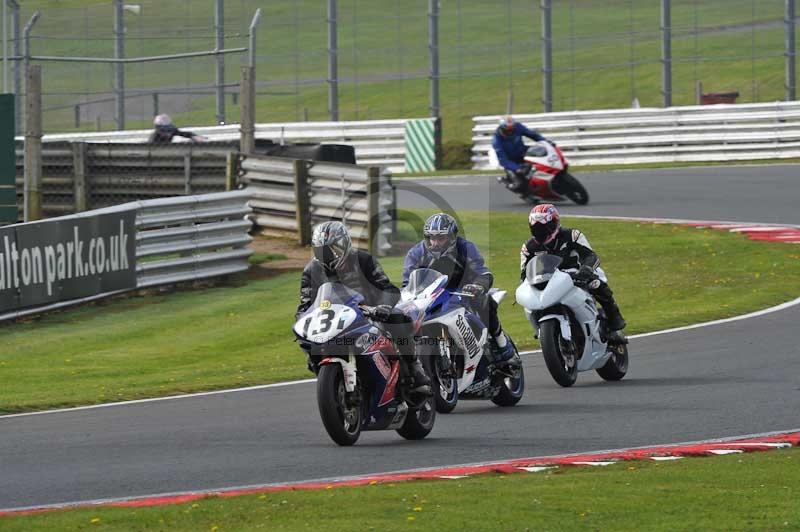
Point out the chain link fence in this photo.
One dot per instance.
(605, 54)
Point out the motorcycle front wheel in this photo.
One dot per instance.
(342, 422)
(445, 383)
(563, 368)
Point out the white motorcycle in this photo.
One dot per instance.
(458, 342)
(571, 329)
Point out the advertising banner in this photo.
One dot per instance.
(66, 258)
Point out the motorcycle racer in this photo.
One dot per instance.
(507, 144)
(336, 261)
(443, 250)
(548, 236)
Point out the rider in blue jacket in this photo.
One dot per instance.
(510, 149)
(444, 251)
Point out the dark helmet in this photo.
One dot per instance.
(440, 233)
(331, 243)
(544, 222)
(506, 126)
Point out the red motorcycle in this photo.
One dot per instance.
(548, 178)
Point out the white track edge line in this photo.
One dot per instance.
(333, 480)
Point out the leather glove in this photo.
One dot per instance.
(382, 312)
(476, 290)
(523, 170)
(585, 273)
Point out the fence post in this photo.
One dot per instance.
(80, 171)
(333, 67)
(547, 57)
(303, 211)
(433, 52)
(33, 144)
(119, 53)
(15, 29)
(187, 174)
(791, 52)
(437, 142)
(666, 52)
(219, 27)
(247, 111)
(373, 207)
(231, 170)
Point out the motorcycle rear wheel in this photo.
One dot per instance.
(570, 187)
(617, 364)
(550, 337)
(419, 421)
(342, 423)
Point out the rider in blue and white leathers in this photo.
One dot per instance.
(444, 251)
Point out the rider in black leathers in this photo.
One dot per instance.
(547, 236)
(335, 261)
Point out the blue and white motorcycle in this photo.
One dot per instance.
(567, 322)
(456, 340)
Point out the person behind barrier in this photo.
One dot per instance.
(165, 130)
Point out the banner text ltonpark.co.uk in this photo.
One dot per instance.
(66, 258)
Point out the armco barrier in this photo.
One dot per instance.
(674, 134)
(289, 196)
(176, 240)
(376, 142)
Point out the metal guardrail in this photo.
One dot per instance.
(376, 142)
(178, 240)
(289, 196)
(674, 134)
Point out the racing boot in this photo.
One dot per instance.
(614, 319)
(421, 381)
(503, 352)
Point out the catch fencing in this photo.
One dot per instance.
(398, 145)
(172, 240)
(289, 196)
(675, 134)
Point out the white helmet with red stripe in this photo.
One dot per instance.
(544, 222)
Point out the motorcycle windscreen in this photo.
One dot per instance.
(536, 150)
(420, 280)
(336, 293)
(541, 268)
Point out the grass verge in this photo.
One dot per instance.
(229, 336)
(755, 491)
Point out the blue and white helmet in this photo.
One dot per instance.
(440, 232)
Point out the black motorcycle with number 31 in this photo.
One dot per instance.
(361, 384)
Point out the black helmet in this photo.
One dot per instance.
(331, 243)
(437, 226)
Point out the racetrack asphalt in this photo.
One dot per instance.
(729, 379)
